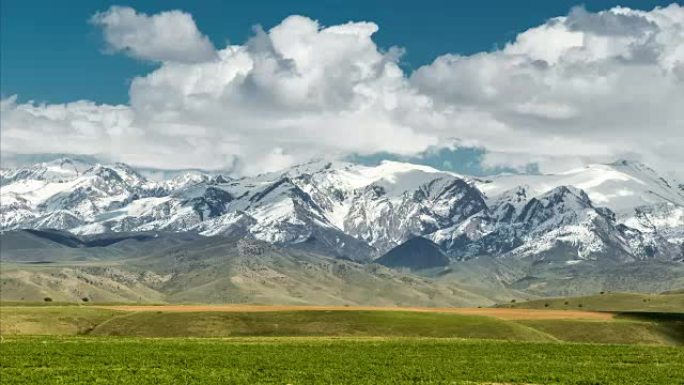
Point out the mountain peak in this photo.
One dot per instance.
(566, 192)
(629, 163)
(416, 253)
(352, 210)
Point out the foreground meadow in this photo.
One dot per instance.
(204, 344)
(306, 360)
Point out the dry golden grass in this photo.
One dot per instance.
(500, 313)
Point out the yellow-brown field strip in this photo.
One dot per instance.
(501, 313)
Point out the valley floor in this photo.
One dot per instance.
(250, 344)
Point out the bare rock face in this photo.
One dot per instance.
(416, 253)
(247, 246)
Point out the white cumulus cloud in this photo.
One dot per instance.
(594, 86)
(168, 36)
(580, 88)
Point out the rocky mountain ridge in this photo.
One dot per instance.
(622, 212)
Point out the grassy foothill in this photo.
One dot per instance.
(627, 328)
(605, 301)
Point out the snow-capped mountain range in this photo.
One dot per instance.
(620, 212)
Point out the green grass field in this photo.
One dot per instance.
(615, 332)
(316, 323)
(620, 302)
(89, 345)
(111, 360)
(646, 328)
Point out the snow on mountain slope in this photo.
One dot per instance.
(664, 219)
(621, 186)
(66, 194)
(636, 193)
(565, 216)
(562, 223)
(386, 205)
(53, 171)
(187, 179)
(361, 212)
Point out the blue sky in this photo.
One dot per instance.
(50, 53)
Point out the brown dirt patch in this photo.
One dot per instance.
(501, 313)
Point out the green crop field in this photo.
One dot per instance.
(305, 360)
